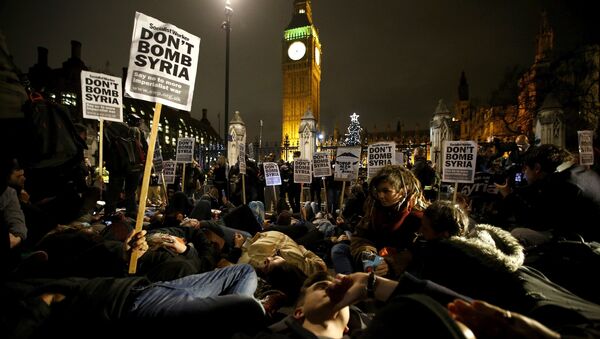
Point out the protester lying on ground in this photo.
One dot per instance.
(100, 307)
(323, 308)
(174, 253)
(270, 247)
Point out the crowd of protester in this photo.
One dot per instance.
(397, 258)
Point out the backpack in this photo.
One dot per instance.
(125, 150)
(52, 140)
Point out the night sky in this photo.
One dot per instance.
(387, 61)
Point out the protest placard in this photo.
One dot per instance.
(302, 172)
(101, 96)
(321, 164)
(169, 171)
(347, 163)
(157, 160)
(162, 64)
(272, 176)
(162, 69)
(185, 150)
(400, 158)
(242, 157)
(379, 155)
(251, 151)
(459, 161)
(586, 147)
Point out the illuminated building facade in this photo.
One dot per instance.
(301, 66)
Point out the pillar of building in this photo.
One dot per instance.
(307, 134)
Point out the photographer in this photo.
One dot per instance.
(561, 199)
(518, 152)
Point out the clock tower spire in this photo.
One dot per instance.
(301, 66)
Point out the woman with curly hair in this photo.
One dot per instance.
(392, 217)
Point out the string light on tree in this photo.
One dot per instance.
(354, 130)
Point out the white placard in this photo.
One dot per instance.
(400, 158)
(272, 176)
(101, 96)
(185, 150)
(169, 171)
(459, 161)
(162, 63)
(380, 155)
(157, 160)
(302, 172)
(321, 164)
(586, 147)
(242, 158)
(251, 151)
(347, 163)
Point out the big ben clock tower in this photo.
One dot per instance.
(301, 64)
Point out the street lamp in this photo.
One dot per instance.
(321, 137)
(226, 25)
(286, 144)
(260, 139)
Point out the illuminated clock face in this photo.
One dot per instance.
(317, 56)
(297, 50)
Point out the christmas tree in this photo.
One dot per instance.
(354, 130)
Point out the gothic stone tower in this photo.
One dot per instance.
(463, 108)
(533, 83)
(301, 66)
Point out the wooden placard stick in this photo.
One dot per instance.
(244, 189)
(101, 156)
(342, 196)
(164, 186)
(145, 182)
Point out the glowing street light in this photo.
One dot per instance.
(226, 25)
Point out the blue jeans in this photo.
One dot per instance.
(342, 258)
(195, 295)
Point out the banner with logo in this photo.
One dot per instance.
(347, 163)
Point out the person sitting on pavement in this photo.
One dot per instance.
(393, 212)
(482, 264)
